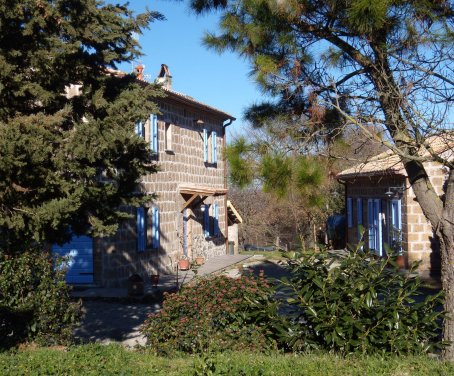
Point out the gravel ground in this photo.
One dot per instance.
(110, 321)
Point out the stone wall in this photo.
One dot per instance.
(417, 236)
(116, 258)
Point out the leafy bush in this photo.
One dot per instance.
(218, 313)
(34, 301)
(359, 303)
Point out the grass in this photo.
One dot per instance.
(269, 255)
(115, 360)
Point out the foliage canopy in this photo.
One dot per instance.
(69, 159)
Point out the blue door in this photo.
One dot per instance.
(79, 259)
(375, 226)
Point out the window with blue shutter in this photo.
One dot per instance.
(396, 226)
(375, 226)
(205, 146)
(359, 215)
(154, 133)
(350, 212)
(215, 220)
(370, 222)
(214, 148)
(155, 227)
(139, 129)
(206, 221)
(141, 231)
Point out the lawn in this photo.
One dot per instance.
(115, 360)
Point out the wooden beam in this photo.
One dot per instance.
(188, 202)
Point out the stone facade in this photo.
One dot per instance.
(181, 162)
(417, 239)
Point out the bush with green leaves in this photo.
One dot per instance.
(218, 313)
(35, 303)
(359, 303)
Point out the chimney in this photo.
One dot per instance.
(139, 72)
(164, 78)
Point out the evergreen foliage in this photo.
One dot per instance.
(69, 162)
(359, 303)
(35, 304)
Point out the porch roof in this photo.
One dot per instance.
(233, 214)
(198, 192)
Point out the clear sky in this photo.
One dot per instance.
(221, 81)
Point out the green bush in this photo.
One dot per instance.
(217, 313)
(359, 303)
(34, 301)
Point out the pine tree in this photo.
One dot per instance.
(381, 62)
(69, 159)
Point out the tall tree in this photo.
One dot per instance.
(381, 62)
(69, 158)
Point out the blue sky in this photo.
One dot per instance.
(221, 81)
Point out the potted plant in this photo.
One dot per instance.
(200, 259)
(183, 263)
(154, 279)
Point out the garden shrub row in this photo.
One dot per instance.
(345, 304)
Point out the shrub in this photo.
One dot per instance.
(34, 301)
(217, 313)
(359, 303)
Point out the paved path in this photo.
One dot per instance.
(111, 317)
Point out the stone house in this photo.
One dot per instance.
(189, 216)
(380, 200)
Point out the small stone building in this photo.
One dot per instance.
(380, 200)
(189, 215)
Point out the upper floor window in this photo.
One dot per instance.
(149, 132)
(147, 222)
(168, 136)
(210, 147)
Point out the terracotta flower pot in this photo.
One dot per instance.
(400, 260)
(200, 260)
(183, 264)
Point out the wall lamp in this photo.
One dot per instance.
(394, 191)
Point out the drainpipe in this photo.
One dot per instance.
(226, 220)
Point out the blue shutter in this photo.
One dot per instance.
(139, 131)
(140, 229)
(206, 221)
(155, 227)
(359, 216)
(215, 220)
(359, 211)
(154, 133)
(214, 149)
(370, 222)
(396, 213)
(205, 146)
(378, 241)
(350, 212)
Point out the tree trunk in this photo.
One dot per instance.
(447, 273)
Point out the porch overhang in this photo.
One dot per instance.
(233, 215)
(194, 192)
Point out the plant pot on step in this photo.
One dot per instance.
(200, 260)
(184, 264)
(154, 279)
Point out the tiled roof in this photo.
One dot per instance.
(180, 96)
(388, 163)
(191, 100)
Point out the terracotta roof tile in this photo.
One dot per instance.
(388, 163)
